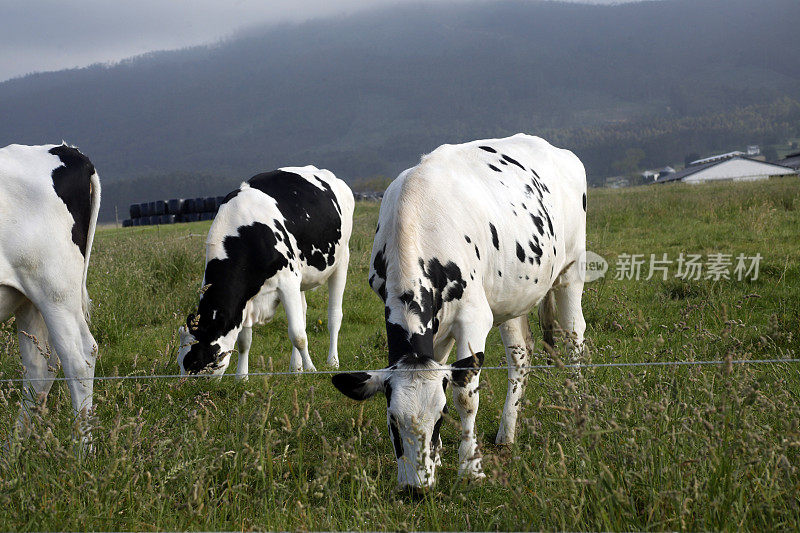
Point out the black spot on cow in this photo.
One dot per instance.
(379, 266)
(488, 149)
(477, 253)
(396, 440)
(401, 343)
(495, 240)
(528, 190)
(494, 167)
(584, 201)
(251, 258)
(312, 215)
(230, 196)
(286, 240)
(377, 228)
(466, 238)
(387, 391)
(520, 253)
(503, 163)
(512, 161)
(537, 221)
(72, 183)
(435, 435)
(554, 251)
(500, 273)
(464, 369)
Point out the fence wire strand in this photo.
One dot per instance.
(715, 362)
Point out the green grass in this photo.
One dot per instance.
(623, 449)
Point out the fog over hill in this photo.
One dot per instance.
(366, 94)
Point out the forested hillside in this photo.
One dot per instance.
(366, 94)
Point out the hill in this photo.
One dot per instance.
(365, 94)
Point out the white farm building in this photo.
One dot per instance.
(736, 168)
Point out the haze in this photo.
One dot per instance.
(45, 35)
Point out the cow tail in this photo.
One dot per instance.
(548, 322)
(94, 201)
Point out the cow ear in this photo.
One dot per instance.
(358, 385)
(463, 369)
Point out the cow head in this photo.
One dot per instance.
(196, 356)
(415, 406)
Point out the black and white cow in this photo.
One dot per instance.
(472, 237)
(49, 200)
(279, 234)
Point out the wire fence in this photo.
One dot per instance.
(715, 362)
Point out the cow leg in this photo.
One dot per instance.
(471, 340)
(39, 370)
(294, 303)
(336, 285)
(296, 359)
(243, 342)
(516, 335)
(77, 350)
(568, 295)
(441, 349)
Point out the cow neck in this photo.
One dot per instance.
(403, 340)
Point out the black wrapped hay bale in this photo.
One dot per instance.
(174, 206)
(188, 206)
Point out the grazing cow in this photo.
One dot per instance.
(49, 200)
(279, 234)
(472, 237)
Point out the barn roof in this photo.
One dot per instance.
(688, 171)
(791, 161)
(694, 169)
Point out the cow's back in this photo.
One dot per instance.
(509, 214)
(308, 208)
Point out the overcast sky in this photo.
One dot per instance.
(43, 35)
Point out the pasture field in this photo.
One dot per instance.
(656, 448)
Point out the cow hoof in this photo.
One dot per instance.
(503, 438)
(333, 364)
(471, 472)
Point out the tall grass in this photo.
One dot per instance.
(682, 448)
